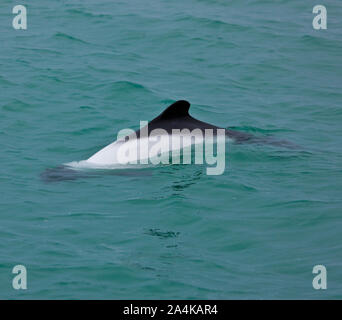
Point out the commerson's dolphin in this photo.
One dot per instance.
(174, 118)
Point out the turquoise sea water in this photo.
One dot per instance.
(83, 70)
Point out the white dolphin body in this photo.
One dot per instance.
(173, 132)
(143, 150)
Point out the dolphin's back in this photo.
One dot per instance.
(177, 116)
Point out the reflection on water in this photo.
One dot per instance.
(162, 234)
(187, 180)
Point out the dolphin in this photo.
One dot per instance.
(174, 117)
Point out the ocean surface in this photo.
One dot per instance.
(83, 70)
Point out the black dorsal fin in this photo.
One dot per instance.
(175, 110)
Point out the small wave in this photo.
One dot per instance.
(42, 51)
(320, 42)
(16, 105)
(88, 14)
(123, 88)
(215, 23)
(304, 203)
(251, 129)
(64, 36)
(6, 82)
(128, 84)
